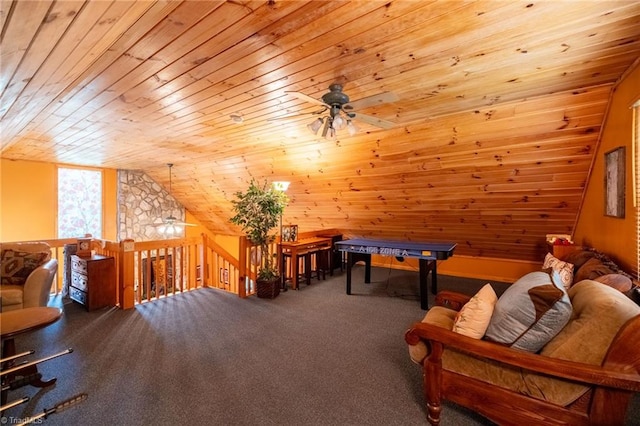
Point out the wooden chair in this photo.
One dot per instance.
(36, 288)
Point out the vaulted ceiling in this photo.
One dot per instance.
(495, 107)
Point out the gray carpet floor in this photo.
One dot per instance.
(314, 356)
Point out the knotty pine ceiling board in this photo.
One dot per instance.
(499, 110)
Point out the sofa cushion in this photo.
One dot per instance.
(562, 271)
(473, 319)
(440, 316)
(578, 258)
(598, 313)
(11, 295)
(592, 269)
(617, 281)
(529, 313)
(16, 266)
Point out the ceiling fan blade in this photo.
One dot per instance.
(298, 115)
(374, 121)
(307, 98)
(379, 99)
(158, 225)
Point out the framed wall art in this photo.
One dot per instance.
(614, 182)
(224, 276)
(290, 233)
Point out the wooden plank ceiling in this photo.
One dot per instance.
(498, 112)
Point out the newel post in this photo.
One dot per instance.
(242, 270)
(126, 278)
(204, 261)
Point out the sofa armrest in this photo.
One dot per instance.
(37, 287)
(625, 376)
(451, 300)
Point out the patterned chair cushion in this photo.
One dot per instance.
(16, 266)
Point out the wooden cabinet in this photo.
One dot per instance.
(93, 281)
(561, 251)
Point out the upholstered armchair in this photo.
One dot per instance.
(26, 275)
(586, 374)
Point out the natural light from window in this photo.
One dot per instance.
(79, 203)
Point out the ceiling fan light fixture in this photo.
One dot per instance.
(171, 229)
(339, 123)
(352, 128)
(331, 135)
(170, 225)
(339, 109)
(327, 125)
(315, 125)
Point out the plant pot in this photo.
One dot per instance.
(269, 289)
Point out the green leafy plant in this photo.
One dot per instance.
(257, 211)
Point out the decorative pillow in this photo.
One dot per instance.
(617, 281)
(16, 266)
(592, 269)
(578, 258)
(158, 272)
(473, 319)
(529, 313)
(562, 271)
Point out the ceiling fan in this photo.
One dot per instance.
(341, 111)
(171, 225)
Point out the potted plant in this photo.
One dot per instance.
(257, 211)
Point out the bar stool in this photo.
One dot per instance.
(321, 261)
(302, 269)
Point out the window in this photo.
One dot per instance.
(79, 203)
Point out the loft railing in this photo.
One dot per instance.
(146, 271)
(154, 269)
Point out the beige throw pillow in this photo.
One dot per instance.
(474, 317)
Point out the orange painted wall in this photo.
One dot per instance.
(489, 269)
(28, 201)
(613, 236)
(231, 243)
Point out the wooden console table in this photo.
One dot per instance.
(294, 248)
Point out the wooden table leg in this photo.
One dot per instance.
(294, 267)
(349, 258)
(424, 289)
